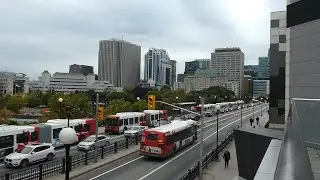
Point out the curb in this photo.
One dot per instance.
(84, 172)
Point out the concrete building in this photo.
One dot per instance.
(204, 63)
(174, 72)
(264, 67)
(159, 68)
(277, 69)
(119, 62)
(83, 69)
(178, 85)
(247, 86)
(261, 88)
(228, 64)
(303, 50)
(181, 77)
(13, 83)
(69, 82)
(192, 66)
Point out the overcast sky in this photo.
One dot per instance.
(37, 35)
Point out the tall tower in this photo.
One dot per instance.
(228, 64)
(119, 62)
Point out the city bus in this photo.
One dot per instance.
(153, 118)
(13, 138)
(166, 140)
(123, 121)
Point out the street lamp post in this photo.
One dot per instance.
(201, 134)
(67, 136)
(60, 100)
(241, 115)
(138, 98)
(217, 156)
(97, 127)
(261, 106)
(68, 108)
(252, 109)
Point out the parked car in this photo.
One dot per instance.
(208, 114)
(135, 131)
(30, 154)
(89, 142)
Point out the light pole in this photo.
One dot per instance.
(253, 109)
(201, 138)
(67, 136)
(60, 100)
(217, 155)
(261, 105)
(241, 115)
(68, 108)
(97, 126)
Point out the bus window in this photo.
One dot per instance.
(141, 119)
(77, 128)
(136, 120)
(157, 116)
(152, 117)
(120, 122)
(34, 136)
(55, 134)
(87, 127)
(152, 137)
(131, 121)
(125, 122)
(6, 141)
(21, 138)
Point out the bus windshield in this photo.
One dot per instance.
(152, 137)
(112, 122)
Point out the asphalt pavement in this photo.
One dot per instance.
(136, 167)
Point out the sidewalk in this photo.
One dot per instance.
(78, 171)
(216, 170)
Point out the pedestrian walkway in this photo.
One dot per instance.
(216, 170)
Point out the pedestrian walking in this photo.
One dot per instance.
(257, 119)
(226, 157)
(251, 121)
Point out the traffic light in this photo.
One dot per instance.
(151, 102)
(100, 113)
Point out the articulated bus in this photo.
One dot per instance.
(123, 121)
(14, 137)
(166, 140)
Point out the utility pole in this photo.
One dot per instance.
(217, 155)
(96, 144)
(241, 115)
(201, 141)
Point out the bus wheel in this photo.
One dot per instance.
(173, 153)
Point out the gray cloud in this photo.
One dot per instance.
(37, 34)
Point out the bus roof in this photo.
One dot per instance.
(186, 103)
(153, 111)
(173, 127)
(13, 129)
(123, 115)
(65, 121)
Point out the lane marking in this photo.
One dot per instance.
(116, 168)
(175, 157)
(184, 152)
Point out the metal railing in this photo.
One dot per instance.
(194, 171)
(59, 166)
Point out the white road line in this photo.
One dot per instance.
(116, 168)
(175, 157)
(184, 152)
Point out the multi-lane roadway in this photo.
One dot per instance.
(136, 167)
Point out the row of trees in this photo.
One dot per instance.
(82, 103)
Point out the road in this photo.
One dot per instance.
(136, 167)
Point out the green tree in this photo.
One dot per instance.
(139, 106)
(118, 105)
(15, 103)
(33, 100)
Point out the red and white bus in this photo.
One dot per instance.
(123, 121)
(13, 138)
(166, 140)
(153, 117)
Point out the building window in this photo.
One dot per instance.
(275, 23)
(282, 38)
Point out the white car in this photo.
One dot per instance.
(89, 142)
(30, 154)
(135, 131)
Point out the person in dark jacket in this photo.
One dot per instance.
(251, 121)
(257, 119)
(226, 157)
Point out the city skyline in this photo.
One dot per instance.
(72, 37)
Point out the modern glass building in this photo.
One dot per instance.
(261, 87)
(264, 67)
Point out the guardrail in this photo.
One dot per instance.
(59, 166)
(194, 172)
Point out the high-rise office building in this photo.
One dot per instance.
(277, 69)
(192, 66)
(119, 62)
(174, 72)
(159, 68)
(251, 70)
(204, 63)
(228, 63)
(264, 67)
(82, 69)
